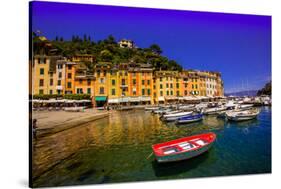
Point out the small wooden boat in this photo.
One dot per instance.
(183, 148)
(242, 115)
(190, 118)
(174, 117)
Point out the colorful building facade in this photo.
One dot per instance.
(167, 86)
(122, 84)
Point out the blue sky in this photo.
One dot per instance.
(238, 46)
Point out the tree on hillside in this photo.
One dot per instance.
(106, 50)
(40, 46)
(155, 48)
(110, 40)
(173, 65)
(106, 56)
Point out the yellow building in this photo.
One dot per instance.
(194, 83)
(167, 86)
(131, 84)
(102, 79)
(114, 86)
(45, 75)
(53, 75)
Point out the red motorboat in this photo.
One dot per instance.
(183, 148)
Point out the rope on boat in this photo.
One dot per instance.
(149, 155)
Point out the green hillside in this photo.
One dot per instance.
(106, 50)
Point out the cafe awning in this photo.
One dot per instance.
(124, 99)
(161, 98)
(135, 99)
(145, 98)
(100, 98)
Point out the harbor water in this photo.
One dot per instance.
(117, 148)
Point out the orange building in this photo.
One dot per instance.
(184, 83)
(84, 80)
(193, 85)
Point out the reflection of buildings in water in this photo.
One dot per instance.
(50, 150)
(132, 127)
(120, 128)
(213, 122)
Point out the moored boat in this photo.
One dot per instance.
(152, 108)
(242, 115)
(190, 118)
(183, 148)
(162, 111)
(174, 117)
(221, 114)
(216, 110)
(186, 107)
(172, 112)
(245, 106)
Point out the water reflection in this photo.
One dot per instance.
(249, 123)
(244, 124)
(115, 149)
